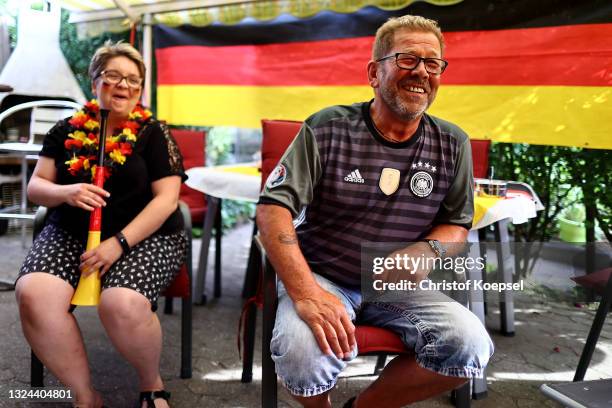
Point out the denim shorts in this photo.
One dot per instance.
(446, 337)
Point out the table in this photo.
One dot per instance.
(520, 204)
(235, 182)
(25, 152)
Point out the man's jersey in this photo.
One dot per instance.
(346, 185)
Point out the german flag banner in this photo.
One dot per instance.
(519, 71)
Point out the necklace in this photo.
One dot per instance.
(82, 142)
(389, 138)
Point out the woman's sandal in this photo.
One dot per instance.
(151, 396)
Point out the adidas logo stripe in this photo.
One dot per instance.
(354, 177)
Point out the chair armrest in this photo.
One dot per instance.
(260, 247)
(269, 276)
(39, 220)
(186, 215)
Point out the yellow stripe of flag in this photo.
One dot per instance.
(549, 115)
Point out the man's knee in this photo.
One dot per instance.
(468, 348)
(303, 368)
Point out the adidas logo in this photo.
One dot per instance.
(354, 177)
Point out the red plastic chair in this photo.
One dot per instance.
(192, 145)
(480, 157)
(180, 287)
(370, 341)
(277, 135)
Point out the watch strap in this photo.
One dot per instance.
(436, 247)
(123, 242)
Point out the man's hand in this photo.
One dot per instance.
(101, 257)
(331, 325)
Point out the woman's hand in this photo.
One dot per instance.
(101, 257)
(85, 196)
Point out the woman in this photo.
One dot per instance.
(142, 244)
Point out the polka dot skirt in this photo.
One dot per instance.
(149, 267)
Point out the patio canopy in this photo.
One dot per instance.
(110, 15)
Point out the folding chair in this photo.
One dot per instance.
(579, 393)
(601, 283)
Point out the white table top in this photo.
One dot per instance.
(21, 148)
(519, 209)
(235, 181)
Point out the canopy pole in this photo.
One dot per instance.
(127, 10)
(147, 55)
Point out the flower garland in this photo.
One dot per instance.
(82, 142)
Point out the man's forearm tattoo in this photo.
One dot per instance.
(288, 238)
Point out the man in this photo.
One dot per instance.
(379, 171)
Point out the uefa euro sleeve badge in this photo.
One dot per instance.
(389, 180)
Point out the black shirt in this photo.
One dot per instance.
(155, 155)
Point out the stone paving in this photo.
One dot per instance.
(548, 341)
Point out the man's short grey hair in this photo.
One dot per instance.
(385, 34)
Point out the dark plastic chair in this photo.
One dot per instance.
(180, 287)
(601, 283)
(581, 393)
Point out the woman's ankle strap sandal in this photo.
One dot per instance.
(349, 403)
(151, 396)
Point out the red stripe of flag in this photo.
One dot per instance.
(579, 55)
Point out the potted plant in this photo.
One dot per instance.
(571, 224)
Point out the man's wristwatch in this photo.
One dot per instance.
(437, 247)
(125, 247)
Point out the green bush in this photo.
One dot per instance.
(564, 178)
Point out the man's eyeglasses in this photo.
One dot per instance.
(114, 77)
(409, 61)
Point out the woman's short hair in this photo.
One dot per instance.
(111, 50)
(385, 33)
